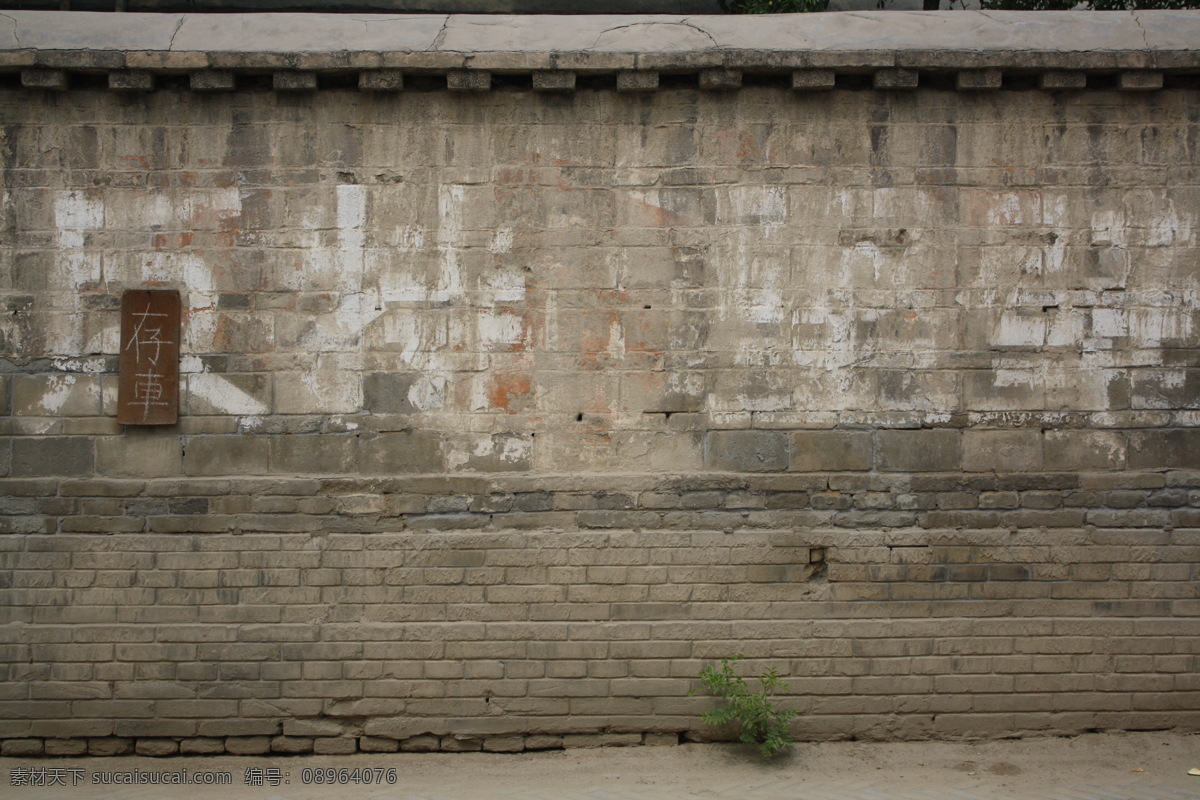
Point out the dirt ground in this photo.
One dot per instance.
(1139, 766)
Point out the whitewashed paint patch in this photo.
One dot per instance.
(224, 396)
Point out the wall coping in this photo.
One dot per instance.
(43, 44)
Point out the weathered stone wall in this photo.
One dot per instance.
(505, 412)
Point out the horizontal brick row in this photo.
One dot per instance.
(723, 501)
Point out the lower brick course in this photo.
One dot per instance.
(507, 640)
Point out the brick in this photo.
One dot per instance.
(1002, 451)
(389, 453)
(65, 747)
(421, 744)
(49, 79)
(1139, 81)
(110, 746)
(1156, 449)
(720, 79)
(234, 729)
(248, 745)
(156, 748)
(202, 746)
(291, 744)
(461, 744)
(831, 451)
(1084, 450)
(222, 455)
(38, 456)
(504, 744)
(747, 451)
(60, 395)
(375, 744)
(918, 451)
(21, 748)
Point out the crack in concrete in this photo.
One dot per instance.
(687, 21)
(682, 22)
(1137, 21)
(858, 15)
(441, 37)
(16, 35)
(174, 33)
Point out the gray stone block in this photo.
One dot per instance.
(387, 392)
(747, 451)
(831, 451)
(156, 748)
(21, 748)
(316, 453)
(720, 79)
(376, 744)
(1140, 81)
(56, 394)
(404, 451)
(468, 80)
(248, 745)
(918, 450)
(225, 455)
(51, 79)
(1002, 451)
(110, 746)
(140, 452)
(54, 455)
(1158, 449)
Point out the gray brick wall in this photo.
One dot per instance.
(505, 413)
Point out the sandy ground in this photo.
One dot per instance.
(1145, 766)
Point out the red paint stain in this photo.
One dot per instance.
(163, 241)
(509, 391)
(658, 216)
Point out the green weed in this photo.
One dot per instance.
(760, 723)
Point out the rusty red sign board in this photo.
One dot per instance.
(148, 381)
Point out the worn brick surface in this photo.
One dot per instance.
(504, 413)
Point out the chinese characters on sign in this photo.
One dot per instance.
(148, 384)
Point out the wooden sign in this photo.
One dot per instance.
(148, 382)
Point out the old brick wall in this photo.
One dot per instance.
(504, 413)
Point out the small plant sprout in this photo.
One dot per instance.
(760, 723)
